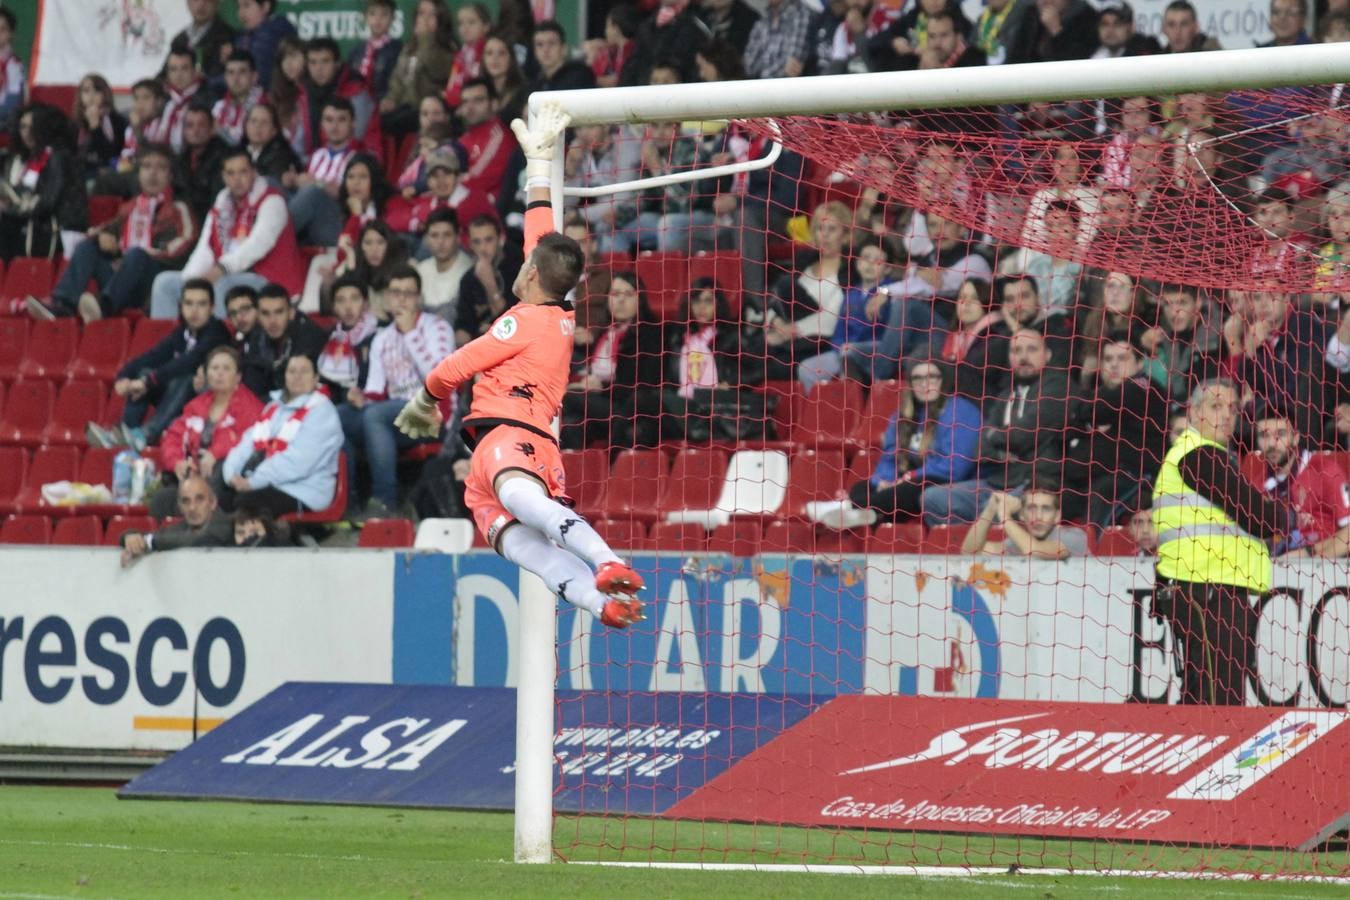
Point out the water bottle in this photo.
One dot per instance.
(123, 464)
(142, 470)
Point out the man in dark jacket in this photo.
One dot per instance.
(203, 525)
(485, 290)
(1023, 434)
(1056, 30)
(556, 71)
(728, 20)
(197, 167)
(671, 34)
(207, 36)
(162, 376)
(286, 332)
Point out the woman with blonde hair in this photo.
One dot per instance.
(805, 305)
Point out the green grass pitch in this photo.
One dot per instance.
(83, 842)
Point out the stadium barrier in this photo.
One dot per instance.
(96, 657)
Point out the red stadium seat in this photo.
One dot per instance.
(813, 476)
(828, 415)
(944, 539)
(882, 403)
(1116, 541)
(50, 464)
(623, 534)
(683, 537)
(637, 480)
(335, 510)
(725, 269)
(387, 533)
(51, 347)
(13, 346)
(102, 350)
(148, 333)
(789, 537)
(668, 276)
(586, 472)
(103, 208)
(29, 275)
(695, 480)
(26, 530)
(13, 468)
(79, 403)
(27, 411)
(80, 531)
(119, 525)
(862, 465)
(789, 396)
(742, 537)
(896, 537)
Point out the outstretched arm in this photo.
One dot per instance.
(537, 144)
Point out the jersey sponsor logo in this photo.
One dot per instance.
(505, 328)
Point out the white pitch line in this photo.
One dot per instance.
(965, 872)
(126, 848)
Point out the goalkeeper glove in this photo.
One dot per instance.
(537, 143)
(420, 417)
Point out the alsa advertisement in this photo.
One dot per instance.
(1227, 776)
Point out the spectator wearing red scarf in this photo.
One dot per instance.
(374, 58)
(473, 22)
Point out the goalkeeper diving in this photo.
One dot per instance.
(516, 486)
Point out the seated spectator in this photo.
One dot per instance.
(203, 525)
(273, 156)
(314, 210)
(145, 125)
(1288, 19)
(443, 271)
(778, 46)
(290, 96)
(1067, 185)
(241, 310)
(257, 528)
(1031, 527)
(1127, 120)
(933, 438)
(703, 353)
(508, 80)
(327, 79)
(1184, 349)
(608, 55)
(718, 61)
(484, 292)
(377, 253)
(1055, 30)
(598, 155)
(860, 327)
(998, 27)
(287, 462)
(42, 198)
(472, 24)
(1333, 259)
(1023, 431)
(1120, 309)
(1280, 354)
(447, 190)
(422, 68)
(149, 234)
(900, 45)
(374, 58)
(728, 21)
(1181, 27)
(246, 239)
(1315, 158)
(489, 143)
(1140, 529)
(1118, 444)
(183, 84)
(1314, 484)
(100, 128)
(207, 37)
(614, 399)
(805, 305)
(515, 23)
(972, 323)
(345, 359)
(286, 332)
(211, 424)
(556, 71)
(842, 45)
(196, 166)
(433, 138)
(261, 33)
(982, 373)
(401, 357)
(162, 376)
(242, 93)
(1116, 36)
(675, 216)
(1280, 254)
(946, 46)
(920, 303)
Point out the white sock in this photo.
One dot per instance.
(565, 575)
(526, 499)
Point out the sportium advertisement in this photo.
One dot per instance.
(1225, 776)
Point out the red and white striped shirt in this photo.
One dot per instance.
(328, 164)
(400, 362)
(230, 114)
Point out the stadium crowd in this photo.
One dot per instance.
(324, 228)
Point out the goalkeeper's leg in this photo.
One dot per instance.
(566, 575)
(525, 498)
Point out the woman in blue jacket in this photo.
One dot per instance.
(933, 438)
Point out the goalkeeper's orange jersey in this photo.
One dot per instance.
(524, 358)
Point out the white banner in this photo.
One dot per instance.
(94, 656)
(123, 40)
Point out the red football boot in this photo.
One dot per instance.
(622, 613)
(618, 578)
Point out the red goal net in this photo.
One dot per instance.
(886, 425)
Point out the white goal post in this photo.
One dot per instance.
(825, 95)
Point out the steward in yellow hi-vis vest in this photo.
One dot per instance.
(1213, 527)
